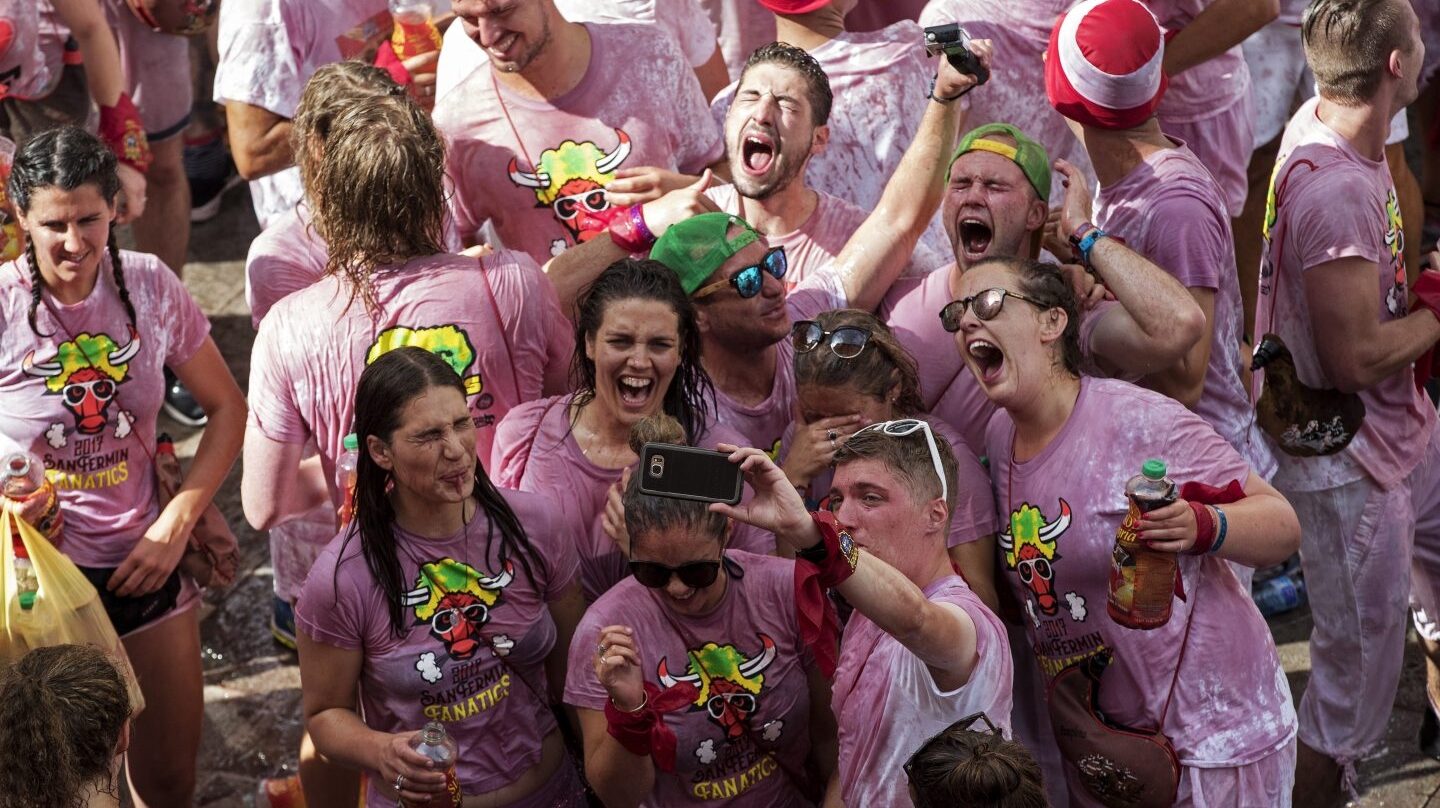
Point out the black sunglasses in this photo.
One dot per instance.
(696, 574)
(985, 304)
(749, 281)
(846, 342)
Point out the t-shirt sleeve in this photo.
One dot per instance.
(582, 688)
(514, 438)
(821, 291)
(270, 275)
(690, 27)
(1326, 223)
(696, 139)
(187, 324)
(273, 411)
(1194, 452)
(1195, 247)
(257, 64)
(330, 608)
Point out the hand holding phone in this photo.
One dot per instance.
(684, 472)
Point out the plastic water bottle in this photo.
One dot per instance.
(415, 32)
(346, 477)
(34, 499)
(1281, 594)
(1142, 581)
(434, 743)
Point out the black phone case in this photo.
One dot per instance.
(684, 472)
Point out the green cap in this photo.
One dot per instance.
(1026, 153)
(1153, 469)
(27, 600)
(695, 248)
(351, 442)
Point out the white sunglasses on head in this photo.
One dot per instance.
(909, 426)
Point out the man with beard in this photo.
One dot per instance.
(540, 130)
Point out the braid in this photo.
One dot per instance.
(37, 287)
(120, 278)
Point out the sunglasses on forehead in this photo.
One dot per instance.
(909, 426)
(986, 305)
(749, 280)
(846, 342)
(696, 574)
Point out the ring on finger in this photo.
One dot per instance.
(399, 782)
(601, 649)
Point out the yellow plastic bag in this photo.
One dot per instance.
(67, 608)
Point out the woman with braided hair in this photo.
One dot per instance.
(89, 329)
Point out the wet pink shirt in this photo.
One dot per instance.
(750, 665)
(912, 310)
(535, 450)
(1232, 702)
(887, 704)
(25, 72)
(1330, 203)
(478, 671)
(97, 451)
(538, 169)
(504, 338)
(741, 26)
(1169, 209)
(1208, 88)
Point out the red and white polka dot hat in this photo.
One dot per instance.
(1103, 68)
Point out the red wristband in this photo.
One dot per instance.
(387, 60)
(1204, 529)
(643, 732)
(122, 131)
(1427, 291)
(819, 625)
(841, 553)
(629, 231)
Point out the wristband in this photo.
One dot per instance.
(1204, 529)
(819, 624)
(1084, 240)
(386, 59)
(930, 93)
(1427, 291)
(643, 731)
(121, 130)
(836, 555)
(629, 231)
(1221, 531)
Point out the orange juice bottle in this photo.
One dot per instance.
(1142, 581)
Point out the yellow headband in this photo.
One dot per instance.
(1008, 152)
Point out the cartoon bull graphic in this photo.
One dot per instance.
(449, 342)
(86, 372)
(1030, 549)
(571, 179)
(728, 681)
(455, 599)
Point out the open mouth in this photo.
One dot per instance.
(989, 359)
(757, 153)
(975, 237)
(503, 45)
(635, 392)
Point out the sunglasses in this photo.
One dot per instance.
(846, 342)
(749, 281)
(965, 724)
(696, 574)
(986, 305)
(909, 426)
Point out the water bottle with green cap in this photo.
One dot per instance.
(1142, 581)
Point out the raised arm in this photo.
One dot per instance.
(1355, 349)
(1220, 27)
(621, 778)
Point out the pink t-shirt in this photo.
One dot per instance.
(538, 169)
(25, 73)
(1169, 209)
(286, 257)
(503, 338)
(741, 26)
(270, 48)
(1232, 703)
(912, 310)
(1020, 30)
(473, 652)
(85, 398)
(1328, 202)
(749, 664)
(878, 79)
(974, 513)
(535, 450)
(1209, 88)
(887, 704)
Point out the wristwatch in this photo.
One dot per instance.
(1083, 240)
(818, 553)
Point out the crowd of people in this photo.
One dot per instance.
(939, 306)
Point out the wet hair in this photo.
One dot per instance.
(331, 91)
(66, 159)
(62, 709)
(909, 457)
(1348, 45)
(386, 388)
(963, 767)
(646, 513)
(1044, 283)
(882, 366)
(378, 193)
(691, 395)
(797, 59)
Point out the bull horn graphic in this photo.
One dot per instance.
(761, 661)
(498, 581)
(670, 681)
(526, 179)
(122, 355)
(611, 161)
(47, 370)
(1055, 528)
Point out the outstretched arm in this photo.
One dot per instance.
(1220, 27)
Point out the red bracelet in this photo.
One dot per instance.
(122, 131)
(836, 555)
(1427, 291)
(629, 231)
(643, 732)
(819, 625)
(1204, 529)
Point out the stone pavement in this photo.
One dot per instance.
(252, 686)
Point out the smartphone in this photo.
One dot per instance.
(684, 472)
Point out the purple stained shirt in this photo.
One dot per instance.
(1330, 202)
(472, 654)
(1209, 88)
(741, 26)
(1169, 209)
(85, 398)
(745, 739)
(537, 169)
(1232, 703)
(502, 331)
(912, 310)
(887, 704)
(535, 450)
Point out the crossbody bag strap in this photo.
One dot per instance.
(1179, 663)
(500, 326)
